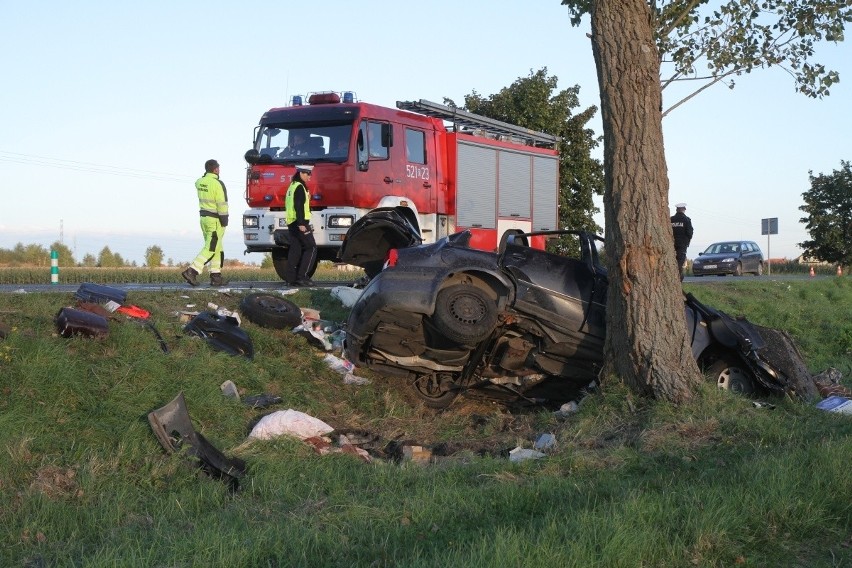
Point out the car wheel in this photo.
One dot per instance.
(464, 313)
(267, 310)
(731, 375)
(435, 390)
(759, 269)
(738, 271)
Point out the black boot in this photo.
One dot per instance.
(190, 275)
(217, 280)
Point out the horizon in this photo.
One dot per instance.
(113, 158)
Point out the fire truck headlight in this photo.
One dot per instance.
(250, 222)
(340, 221)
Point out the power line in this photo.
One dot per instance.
(91, 167)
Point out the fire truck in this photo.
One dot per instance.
(449, 169)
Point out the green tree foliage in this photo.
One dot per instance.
(25, 255)
(828, 205)
(706, 42)
(109, 259)
(532, 102)
(267, 261)
(154, 256)
(89, 260)
(66, 257)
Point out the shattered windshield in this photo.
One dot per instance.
(300, 142)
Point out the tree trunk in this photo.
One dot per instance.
(646, 343)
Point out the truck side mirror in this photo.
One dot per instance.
(252, 156)
(363, 158)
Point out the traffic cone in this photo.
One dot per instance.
(812, 271)
(839, 271)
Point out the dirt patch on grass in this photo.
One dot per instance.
(686, 436)
(55, 482)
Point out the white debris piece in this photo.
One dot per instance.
(346, 294)
(520, 454)
(289, 422)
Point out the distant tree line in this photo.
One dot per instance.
(38, 255)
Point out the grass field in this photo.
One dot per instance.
(630, 482)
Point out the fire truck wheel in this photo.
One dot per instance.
(279, 262)
(267, 310)
(464, 313)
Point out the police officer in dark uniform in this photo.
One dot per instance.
(303, 248)
(682, 230)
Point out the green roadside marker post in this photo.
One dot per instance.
(54, 267)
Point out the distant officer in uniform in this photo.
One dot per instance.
(213, 208)
(682, 230)
(303, 247)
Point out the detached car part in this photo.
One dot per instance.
(100, 294)
(222, 333)
(173, 428)
(70, 322)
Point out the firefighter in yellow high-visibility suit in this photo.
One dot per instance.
(213, 208)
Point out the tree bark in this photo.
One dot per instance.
(646, 343)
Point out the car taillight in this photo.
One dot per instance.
(393, 257)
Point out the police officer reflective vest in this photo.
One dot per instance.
(290, 215)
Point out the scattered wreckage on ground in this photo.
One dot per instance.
(518, 325)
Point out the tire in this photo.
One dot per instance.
(435, 390)
(738, 271)
(464, 314)
(279, 262)
(732, 375)
(268, 310)
(759, 269)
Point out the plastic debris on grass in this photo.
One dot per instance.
(520, 454)
(838, 404)
(289, 423)
(347, 295)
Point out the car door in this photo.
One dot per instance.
(748, 257)
(560, 292)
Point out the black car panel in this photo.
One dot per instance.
(370, 238)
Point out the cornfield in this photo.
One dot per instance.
(143, 275)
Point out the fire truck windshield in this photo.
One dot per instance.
(304, 142)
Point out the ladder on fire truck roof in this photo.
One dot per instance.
(489, 125)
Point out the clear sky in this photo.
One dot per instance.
(109, 109)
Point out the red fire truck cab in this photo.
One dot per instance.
(475, 173)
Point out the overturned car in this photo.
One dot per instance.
(521, 325)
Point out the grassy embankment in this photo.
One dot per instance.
(716, 482)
